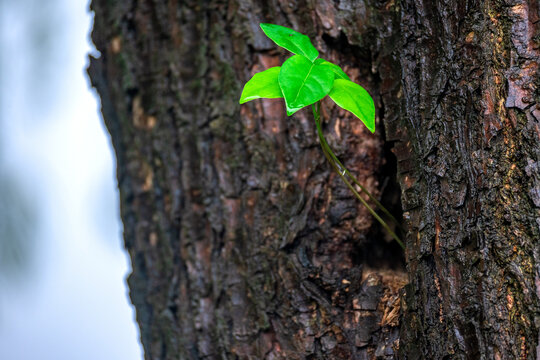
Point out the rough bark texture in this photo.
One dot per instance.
(470, 179)
(243, 242)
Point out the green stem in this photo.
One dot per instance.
(364, 190)
(341, 170)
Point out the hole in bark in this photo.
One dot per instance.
(358, 54)
(382, 251)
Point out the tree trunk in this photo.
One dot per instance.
(470, 179)
(244, 244)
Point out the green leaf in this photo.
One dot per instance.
(339, 74)
(293, 110)
(291, 40)
(354, 98)
(303, 82)
(262, 85)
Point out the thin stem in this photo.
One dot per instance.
(346, 171)
(342, 171)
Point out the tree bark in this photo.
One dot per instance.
(470, 179)
(244, 244)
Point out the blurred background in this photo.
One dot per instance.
(63, 293)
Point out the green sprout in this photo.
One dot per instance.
(305, 79)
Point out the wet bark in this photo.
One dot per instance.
(470, 179)
(243, 242)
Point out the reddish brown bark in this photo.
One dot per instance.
(243, 242)
(470, 179)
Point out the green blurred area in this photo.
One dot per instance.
(29, 55)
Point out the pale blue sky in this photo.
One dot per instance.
(69, 301)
